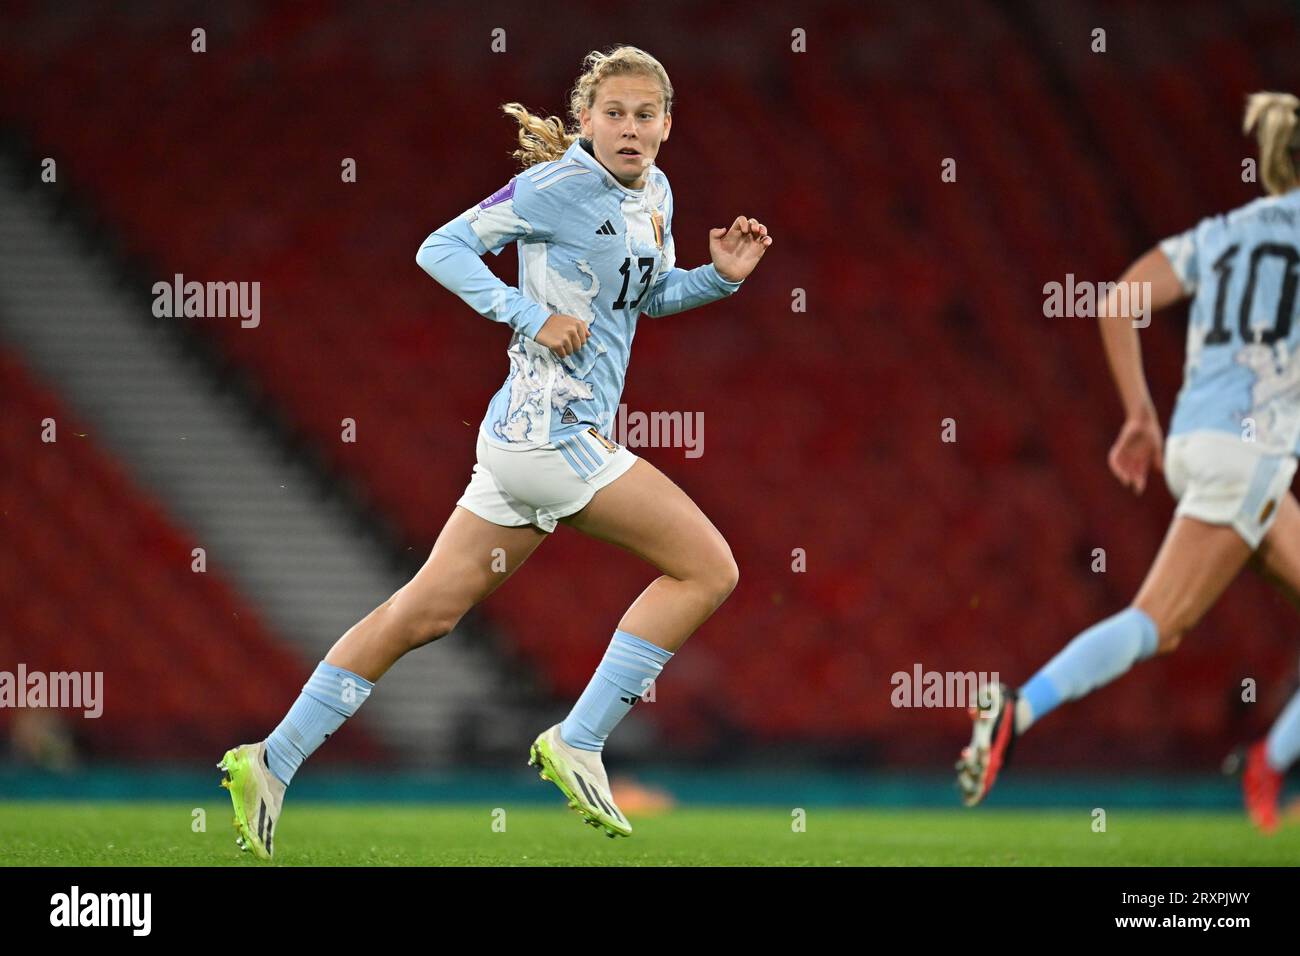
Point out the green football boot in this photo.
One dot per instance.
(581, 778)
(257, 795)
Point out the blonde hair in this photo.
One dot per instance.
(542, 140)
(1274, 118)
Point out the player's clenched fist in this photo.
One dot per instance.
(563, 334)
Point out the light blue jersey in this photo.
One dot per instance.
(1242, 373)
(588, 247)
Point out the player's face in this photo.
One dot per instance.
(626, 124)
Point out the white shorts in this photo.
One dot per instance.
(1220, 479)
(538, 486)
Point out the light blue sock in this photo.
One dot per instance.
(330, 696)
(1094, 658)
(1283, 744)
(625, 673)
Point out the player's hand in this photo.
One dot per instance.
(563, 334)
(736, 250)
(1139, 447)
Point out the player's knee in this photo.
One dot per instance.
(1170, 631)
(428, 624)
(416, 624)
(1169, 639)
(724, 576)
(432, 626)
(1173, 619)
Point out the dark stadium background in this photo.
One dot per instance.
(822, 427)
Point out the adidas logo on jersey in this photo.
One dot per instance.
(607, 229)
(568, 418)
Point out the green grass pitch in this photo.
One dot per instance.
(336, 834)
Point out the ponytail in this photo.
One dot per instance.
(1275, 120)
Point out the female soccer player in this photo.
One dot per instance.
(1232, 443)
(592, 218)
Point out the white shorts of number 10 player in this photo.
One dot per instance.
(538, 486)
(1220, 479)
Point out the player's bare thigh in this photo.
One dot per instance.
(1197, 561)
(644, 512)
(471, 558)
(1278, 557)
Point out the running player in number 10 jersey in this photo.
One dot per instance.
(1231, 452)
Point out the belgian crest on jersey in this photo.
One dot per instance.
(657, 220)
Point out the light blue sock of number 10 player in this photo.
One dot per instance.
(1283, 747)
(1094, 658)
